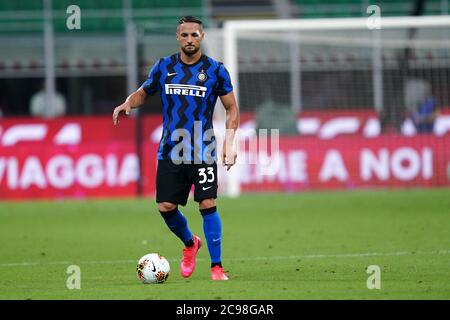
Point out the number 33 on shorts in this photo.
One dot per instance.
(206, 175)
(206, 181)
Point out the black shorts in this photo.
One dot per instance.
(173, 182)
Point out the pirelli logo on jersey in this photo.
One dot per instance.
(186, 90)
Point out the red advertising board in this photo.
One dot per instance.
(88, 156)
(351, 162)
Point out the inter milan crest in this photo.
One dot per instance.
(202, 76)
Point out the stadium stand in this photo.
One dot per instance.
(98, 16)
(357, 8)
(99, 49)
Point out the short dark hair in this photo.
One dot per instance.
(189, 19)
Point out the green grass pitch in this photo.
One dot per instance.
(275, 246)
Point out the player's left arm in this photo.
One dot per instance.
(229, 152)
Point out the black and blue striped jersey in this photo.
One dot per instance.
(188, 94)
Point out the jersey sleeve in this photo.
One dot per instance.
(151, 85)
(224, 85)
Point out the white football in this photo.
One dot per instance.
(153, 268)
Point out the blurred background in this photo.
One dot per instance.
(355, 107)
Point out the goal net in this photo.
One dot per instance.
(344, 95)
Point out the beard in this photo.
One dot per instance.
(191, 51)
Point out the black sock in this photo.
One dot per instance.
(189, 243)
(216, 264)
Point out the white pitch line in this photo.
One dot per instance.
(311, 256)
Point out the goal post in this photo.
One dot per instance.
(289, 61)
(233, 28)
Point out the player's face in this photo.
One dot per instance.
(190, 36)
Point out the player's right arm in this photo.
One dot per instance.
(134, 100)
(137, 98)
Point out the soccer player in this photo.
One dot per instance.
(189, 84)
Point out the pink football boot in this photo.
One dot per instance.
(189, 255)
(217, 273)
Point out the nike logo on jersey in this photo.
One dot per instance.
(171, 74)
(186, 90)
(206, 188)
